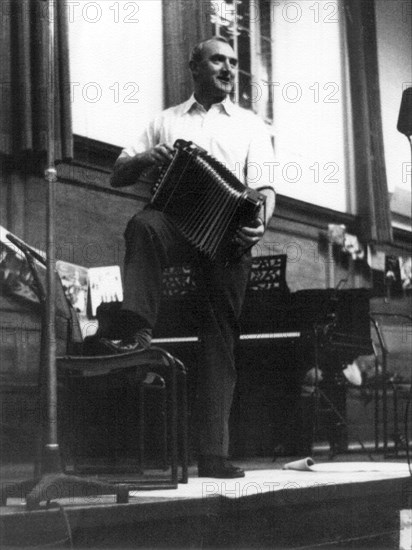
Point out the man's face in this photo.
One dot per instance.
(215, 74)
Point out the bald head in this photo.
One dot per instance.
(197, 52)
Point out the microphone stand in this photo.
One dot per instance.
(50, 453)
(53, 483)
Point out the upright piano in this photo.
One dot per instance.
(283, 335)
(272, 312)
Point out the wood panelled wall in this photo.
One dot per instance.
(90, 220)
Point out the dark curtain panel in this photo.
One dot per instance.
(371, 184)
(185, 23)
(24, 66)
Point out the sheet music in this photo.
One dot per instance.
(105, 285)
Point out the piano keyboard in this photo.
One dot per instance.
(260, 336)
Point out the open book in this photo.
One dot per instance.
(85, 288)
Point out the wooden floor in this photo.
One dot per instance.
(348, 502)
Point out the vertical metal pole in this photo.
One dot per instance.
(51, 453)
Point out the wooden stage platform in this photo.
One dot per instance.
(337, 504)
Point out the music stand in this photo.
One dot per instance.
(320, 335)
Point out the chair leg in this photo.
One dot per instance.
(161, 394)
(165, 445)
(173, 426)
(183, 420)
(141, 426)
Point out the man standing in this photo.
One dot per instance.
(238, 139)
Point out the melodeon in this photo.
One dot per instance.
(206, 199)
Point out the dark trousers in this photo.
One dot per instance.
(153, 243)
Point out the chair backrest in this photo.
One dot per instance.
(392, 330)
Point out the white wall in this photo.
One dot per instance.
(116, 64)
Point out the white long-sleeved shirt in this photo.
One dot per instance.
(236, 137)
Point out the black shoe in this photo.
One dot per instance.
(218, 466)
(121, 346)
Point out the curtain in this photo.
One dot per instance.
(24, 66)
(185, 23)
(372, 190)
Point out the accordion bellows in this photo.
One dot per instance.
(206, 200)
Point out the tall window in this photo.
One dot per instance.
(116, 64)
(292, 73)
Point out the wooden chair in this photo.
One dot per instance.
(128, 369)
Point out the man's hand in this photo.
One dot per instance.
(249, 236)
(127, 170)
(158, 155)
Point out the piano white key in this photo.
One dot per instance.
(270, 335)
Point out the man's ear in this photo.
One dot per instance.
(194, 68)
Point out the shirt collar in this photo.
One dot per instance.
(227, 105)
